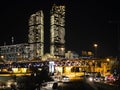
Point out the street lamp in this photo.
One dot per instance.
(2, 57)
(62, 49)
(95, 53)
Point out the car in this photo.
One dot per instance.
(97, 79)
(65, 79)
(89, 78)
(48, 85)
(110, 78)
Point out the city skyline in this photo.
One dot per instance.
(87, 20)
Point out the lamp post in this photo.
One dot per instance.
(2, 58)
(95, 52)
(62, 49)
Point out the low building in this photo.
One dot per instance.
(14, 52)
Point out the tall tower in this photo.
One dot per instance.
(36, 35)
(57, 31)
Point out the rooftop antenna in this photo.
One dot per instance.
(12, 40)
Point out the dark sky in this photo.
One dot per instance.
(87, 22)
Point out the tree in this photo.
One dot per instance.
(35, 80)
(115, 67)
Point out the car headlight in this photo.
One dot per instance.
(90, 79)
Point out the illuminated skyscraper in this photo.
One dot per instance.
(36, 35)
(57, 31)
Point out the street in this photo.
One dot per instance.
(75, 85)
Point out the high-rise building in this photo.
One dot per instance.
(57, 30)
(36, 35)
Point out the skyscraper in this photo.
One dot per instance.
(57, 30)
(36, 35)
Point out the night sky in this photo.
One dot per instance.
(86, 23)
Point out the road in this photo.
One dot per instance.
(75, 85)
